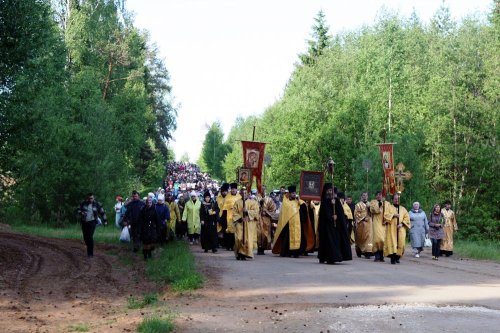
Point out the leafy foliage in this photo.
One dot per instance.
(85, 106)
(214, 150)
(433, 88)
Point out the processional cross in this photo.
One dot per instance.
(401, 175)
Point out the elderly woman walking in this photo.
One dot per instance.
(419, 228)
(436, 232)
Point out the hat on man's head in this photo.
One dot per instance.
(341, 195)
(161, 197)
(234, 186)
(193, 194)
(224, 187)
(292, 188)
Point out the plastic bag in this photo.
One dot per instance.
(125, 235)
(427, 242)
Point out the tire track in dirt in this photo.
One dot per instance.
(47, 285)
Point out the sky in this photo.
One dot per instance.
(230, 58)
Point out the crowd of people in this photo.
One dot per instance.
(194, 207)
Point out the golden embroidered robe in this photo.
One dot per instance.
(380, 216)
(395, 238)
(245, 228)
(363, 229)
(264, 225)
(450, 226)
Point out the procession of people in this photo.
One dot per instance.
(228, 216)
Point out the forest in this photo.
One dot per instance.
(432, 88)
(85, 106)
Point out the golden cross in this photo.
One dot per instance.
(401, 175)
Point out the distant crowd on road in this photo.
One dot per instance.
(192, 206)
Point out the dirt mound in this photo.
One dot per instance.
(49, 285)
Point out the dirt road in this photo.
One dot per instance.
(49, 285)
(273, 294)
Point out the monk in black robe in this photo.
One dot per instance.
(334, 245)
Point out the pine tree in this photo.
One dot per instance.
(321, 40)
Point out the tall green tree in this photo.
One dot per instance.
(320, 41)
(214, 150)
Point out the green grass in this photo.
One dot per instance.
(156, 325)
(108, 234)
(79, 328)
(175, 265)
(485, 250)
(148, 299)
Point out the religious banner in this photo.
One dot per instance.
(389, 185)
(253, 159)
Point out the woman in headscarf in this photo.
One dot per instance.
(419, 228)
(149, 228)
(334, 245)
(209, 213)
(191, 215)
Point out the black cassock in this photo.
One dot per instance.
(334, 245)
(208, 237)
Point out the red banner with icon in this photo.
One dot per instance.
(386, 155)
(253, 158)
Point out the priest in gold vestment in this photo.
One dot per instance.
(268, 207)
(226, 204)
(246, 214)
(294, 233)
(450, 227)
(363, 229)
(379, 210)
(395, 235)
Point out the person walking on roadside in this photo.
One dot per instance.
(175, 215)
(89, 211)
(149, 228)
(118, 208)
(163, 214)
(191, 216)
(132, 219)
(396, 227)
(380, 213)
(419, 228)
(363, 230)
(450, 227)
(246, 213)
(209, 215)
(436, 232)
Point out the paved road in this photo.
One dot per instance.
(300, 295)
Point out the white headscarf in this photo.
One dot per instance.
(193, 194)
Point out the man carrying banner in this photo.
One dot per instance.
(381, 215)
(245, 217)
(395, 236)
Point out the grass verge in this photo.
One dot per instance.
(103, 234)
(156, 324)
(79, 328)
(485, 250)
(135, 303)
(175, 265)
